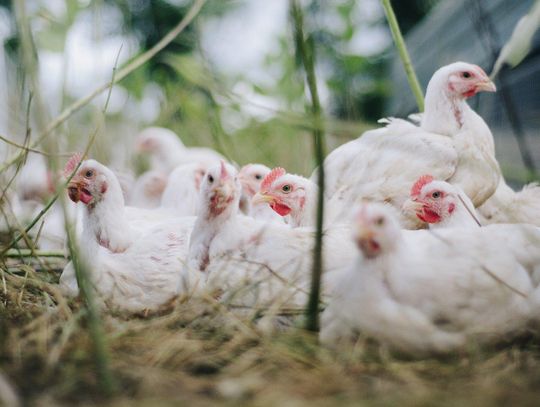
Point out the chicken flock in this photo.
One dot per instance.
(426, 247)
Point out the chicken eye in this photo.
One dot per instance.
(379, 221)
(89, 173)
(436, 195)
(210, 178)
(286, 188)
(258, 176)
(466, 74)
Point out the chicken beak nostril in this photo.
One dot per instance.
(364, 233)
(366, 241)
(486, 85)
(261, 197)
(224, 191)
(412, 206)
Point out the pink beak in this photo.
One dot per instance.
(486, 85)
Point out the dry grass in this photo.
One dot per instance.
(200, 353)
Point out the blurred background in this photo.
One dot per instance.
(231, 80)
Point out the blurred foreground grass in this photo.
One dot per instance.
(200, 353)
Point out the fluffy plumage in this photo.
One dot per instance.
(133, 268)
(34, 181)
(53, 230)
(167, 151)
(97, 187)
(452, 143)
(251, 177)
(251, 261)
(481, 284)
(181, 196)
(509, 206)
(148, 189)
(441, 204)
(289, 195)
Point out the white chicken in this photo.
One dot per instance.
(452, 143)
(148, 189)
(34, 181)
(133, 269)
(167, 151)
(33, 184)
(118, 225)
(440, 204)
(294, 198)
(176, 201)
(289, 195)
(109, 223)
(509, 206)
(51, 228)
(480, 285)
(251, 177)
(271, 260)
(15, 213)
(181, 195)
(49, 232)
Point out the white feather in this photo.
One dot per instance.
(480, 285)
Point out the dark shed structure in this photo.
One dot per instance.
(474, 31)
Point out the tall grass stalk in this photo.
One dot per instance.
(30, 65)
(19, 253)
(95, 327)
(305, 50)
(404, 54)
(60, 187)
(99, 340)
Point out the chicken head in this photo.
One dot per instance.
(251, 176)
(431, 200)
(285, 193)
(376, 229)
(89, 184)
(220, 189)
(465, 80)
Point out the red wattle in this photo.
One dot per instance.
(282, 210)
(429, 216)
(470, 93)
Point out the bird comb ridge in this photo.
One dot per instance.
(419, 184)
(271, 177)
(223, 170)
(72, 163)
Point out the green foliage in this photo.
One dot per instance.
(289, 86)
(357, 83)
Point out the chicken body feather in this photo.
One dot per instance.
(133, 265)
(266, 262)
(452, 143)
(485, 286)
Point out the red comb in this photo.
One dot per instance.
(418, 185)
(271, 177)
(72, 164)
(224, 173)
